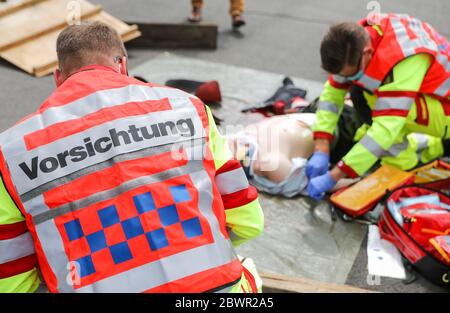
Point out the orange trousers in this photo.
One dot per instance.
(236, 6)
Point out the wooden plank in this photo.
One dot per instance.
(172, 36)
(32, 36)
(126, 31)
(38, 57)
(45, 69)
(39, 19)
(14, 7)
(33, 54)
(280, 283)
(132, 34)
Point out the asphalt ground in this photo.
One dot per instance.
(281, 37)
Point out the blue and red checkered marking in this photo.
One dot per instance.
(116, 236)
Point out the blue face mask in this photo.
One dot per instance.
(357, 76)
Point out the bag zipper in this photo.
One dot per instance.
(398, 237)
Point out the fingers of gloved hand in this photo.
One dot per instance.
(319, 185)
(317, 164)
(314, 193)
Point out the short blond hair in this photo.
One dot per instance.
(77, 43)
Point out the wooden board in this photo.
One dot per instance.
(37, 20)
(279, 283)
(9, 8)
(30, 44)
(174, 36)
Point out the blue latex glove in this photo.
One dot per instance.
(319, 185)
(317, 164)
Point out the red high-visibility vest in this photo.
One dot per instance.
(404, 36)
(116, 182)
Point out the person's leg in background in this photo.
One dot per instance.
(236, 11)
(196, 15)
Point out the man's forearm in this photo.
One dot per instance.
(337, 174)
(322, 145)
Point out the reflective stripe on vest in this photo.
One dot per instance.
(232, 181)
(378, 151)
(16, 248)
(17, 252)
(444, 61)
(422, 141)
(374, 147)
(328, 106)
(339, 79)
(444, 87)
(422, 144)
(393, 103)
(369, 83)
(396, 149)
(76, 225)
(92, 103)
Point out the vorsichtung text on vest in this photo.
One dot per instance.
(103, 142)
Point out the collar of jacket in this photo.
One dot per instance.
(374, 36)
(93, 68)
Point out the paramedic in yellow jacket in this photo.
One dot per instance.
(400, 68)
(120, 212)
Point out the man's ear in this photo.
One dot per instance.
(369, 49)
(57, 76)
(123, 66)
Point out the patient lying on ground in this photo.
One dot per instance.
(274, 152)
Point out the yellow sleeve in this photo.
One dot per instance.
(330, 106)
(243, 212)
(10, 214)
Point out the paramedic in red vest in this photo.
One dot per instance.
(397, 70)
(115, 185)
